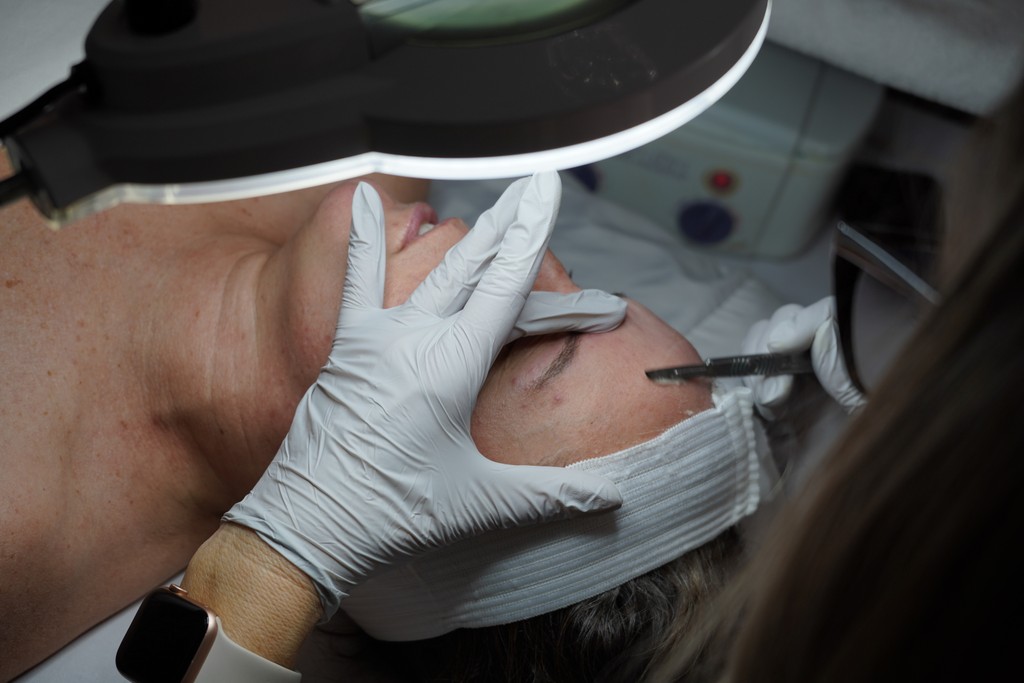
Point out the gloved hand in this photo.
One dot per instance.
(795, 328)
(379, 463)
(589, 310)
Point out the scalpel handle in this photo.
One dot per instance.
(737, 366)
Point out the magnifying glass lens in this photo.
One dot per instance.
(478, 21)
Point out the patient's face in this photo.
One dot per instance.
(552, 399)
(210, 322)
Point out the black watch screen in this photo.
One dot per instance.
(163, 639)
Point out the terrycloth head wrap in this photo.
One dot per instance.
(679, 491)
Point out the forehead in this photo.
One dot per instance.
(613, 366)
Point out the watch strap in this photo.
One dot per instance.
(229, 662)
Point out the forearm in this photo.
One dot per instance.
(265, 603)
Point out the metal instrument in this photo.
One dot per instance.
(736, 366)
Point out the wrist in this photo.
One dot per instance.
(264, 602)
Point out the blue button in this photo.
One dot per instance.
(705, 222)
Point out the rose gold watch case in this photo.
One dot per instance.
(211, 634)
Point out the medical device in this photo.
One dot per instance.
(206, 100)
(756, 173)
(736, 366)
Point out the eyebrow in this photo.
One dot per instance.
(564, 358)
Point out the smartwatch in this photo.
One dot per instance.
(174, 639)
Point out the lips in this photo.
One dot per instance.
(422, 219)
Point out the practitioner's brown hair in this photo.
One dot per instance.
(898, 562)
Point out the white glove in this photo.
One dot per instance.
(589, 310)
(795, 328)
(379, 464)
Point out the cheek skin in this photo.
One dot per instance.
(406, 269)
(302, 287)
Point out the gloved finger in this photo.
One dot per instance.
(589, 310)
(760, 332)
(796, 332)
(364, 279)
(830, 368)
(755, 341)
(494, 306)
(770, 392)
(520, 495)
(501, 215)
(447, 288)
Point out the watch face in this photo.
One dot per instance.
(163, 639)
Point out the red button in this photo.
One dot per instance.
(722, 181)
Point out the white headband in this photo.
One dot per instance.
(679, 491)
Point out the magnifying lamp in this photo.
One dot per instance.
(184, 101)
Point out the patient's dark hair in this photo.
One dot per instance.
(609, 637)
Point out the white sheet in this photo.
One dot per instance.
(961, 53)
